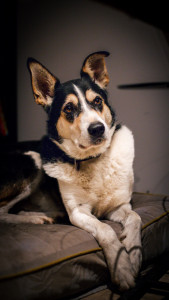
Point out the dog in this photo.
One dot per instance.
(90, 156)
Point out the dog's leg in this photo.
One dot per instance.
(23, 216)
(115, 253)
(29, 217)
(131, 235)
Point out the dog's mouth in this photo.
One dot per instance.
(99, 141)
(94, 143)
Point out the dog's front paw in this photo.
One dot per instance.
(135, 255)
(122, 274)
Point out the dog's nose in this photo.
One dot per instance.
(96, 129)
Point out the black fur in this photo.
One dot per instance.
(50, 152)
(17, 170)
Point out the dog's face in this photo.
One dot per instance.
(80, 121)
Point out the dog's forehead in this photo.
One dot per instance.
(73, 87)
(79, 88)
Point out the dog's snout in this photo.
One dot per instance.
(96, 129)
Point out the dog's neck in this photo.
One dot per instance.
(78, 161)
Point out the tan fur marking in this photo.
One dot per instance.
(91, 95)
(106, 115)
(63, 126)
(67, 130)
(71, 98)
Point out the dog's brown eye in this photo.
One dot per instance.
(68, 108)
(98, 100)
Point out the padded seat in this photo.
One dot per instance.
(61, 261)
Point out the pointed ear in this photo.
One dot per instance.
(94, 65)
(43, 83)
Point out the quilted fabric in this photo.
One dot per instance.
(61, 261)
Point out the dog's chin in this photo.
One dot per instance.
(82, 149)
(94, 144)
(93, 149)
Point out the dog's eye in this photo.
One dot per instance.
(97, 101)
(68, 108)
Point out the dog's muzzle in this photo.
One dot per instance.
(96, 131)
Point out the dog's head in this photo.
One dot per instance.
(80, 120)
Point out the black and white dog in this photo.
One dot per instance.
(91, 158)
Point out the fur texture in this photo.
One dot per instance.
(91, 157)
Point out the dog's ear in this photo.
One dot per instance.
(43, 83)
(94, 65)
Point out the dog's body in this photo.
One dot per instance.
(91, 157)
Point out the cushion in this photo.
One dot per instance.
(61, 261)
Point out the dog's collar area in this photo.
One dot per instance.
(50, 152)
(78, 161)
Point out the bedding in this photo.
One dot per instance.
(61, 261)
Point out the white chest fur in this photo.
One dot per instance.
(102, 183)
